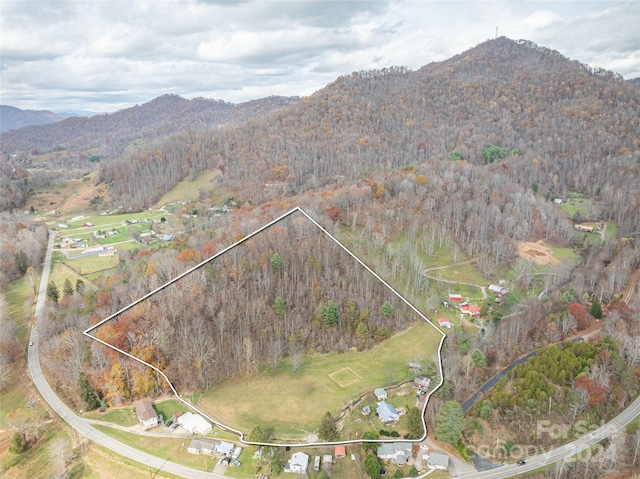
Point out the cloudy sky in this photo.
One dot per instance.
(104, 55)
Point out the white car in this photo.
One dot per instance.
(30, 343)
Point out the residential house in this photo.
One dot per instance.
(203, 446)
(380, 394)
(422, 381)
(399, 452)
(298, 463)
(194, 423)
(340, 451)
(438, 460)
(387, 412)
(499, 290)
(146, 415)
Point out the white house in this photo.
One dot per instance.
(380, 394)
(203, 446)
(194, 423)
(146, 415)
(399, 451)
(298, 463)
(499, 290)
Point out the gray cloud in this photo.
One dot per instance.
(108, 55)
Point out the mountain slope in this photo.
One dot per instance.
(12, 118)
(162, 116)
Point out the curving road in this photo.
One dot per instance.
(76, 422)
(158, 464)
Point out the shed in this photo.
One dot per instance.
(444, 322)
(380, 394)
(422, 381)
(455, 297)
(340, 451)
(225, 448)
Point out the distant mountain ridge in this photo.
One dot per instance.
(12, 118)
(161, 116)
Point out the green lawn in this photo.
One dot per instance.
(189, 189)
(174, 450)
(292, 404)
(120, 416)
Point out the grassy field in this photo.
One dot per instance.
(174, 450)
(577, 202)
(120, 416)
(292, 404)
(189, 189)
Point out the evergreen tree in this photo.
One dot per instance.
(478, 359)
(22, 261)
(413, 472)
(18, 443)
(87, 393)
(279, 307)
(53, 293)
(328, 431)
(596, 309)
(80, 287)
(387, 309)
(67, 288)
(276, 263)
(331, 314)
(449, 422)
(372, 466)
(414, 423)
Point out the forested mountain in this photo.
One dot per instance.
(110, 132)
(12, 117)
(555, 124)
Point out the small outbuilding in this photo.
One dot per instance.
(340, 451)
(194, 423)
(380, 394)
(422, 381)
(444, 323)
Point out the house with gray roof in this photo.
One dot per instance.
(380, 394)
(399, 451)
(438, 460)
(203, 446)
(387, 412)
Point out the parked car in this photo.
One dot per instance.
(169, 423)
(237, 463)
(175, 426)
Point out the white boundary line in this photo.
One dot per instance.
(228, 428)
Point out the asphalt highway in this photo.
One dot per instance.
(158, 464)
(76, 422)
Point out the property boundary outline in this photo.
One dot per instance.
(228, 248)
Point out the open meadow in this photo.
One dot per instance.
(291, 404)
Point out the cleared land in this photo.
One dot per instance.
(292, 404)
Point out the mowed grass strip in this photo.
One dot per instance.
(167, 448)
(292, 403)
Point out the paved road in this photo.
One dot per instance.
(79, 424)
(158, 464)
(565, 452)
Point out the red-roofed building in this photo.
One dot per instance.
(340, 451)
(455, 297)
(444, 323)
